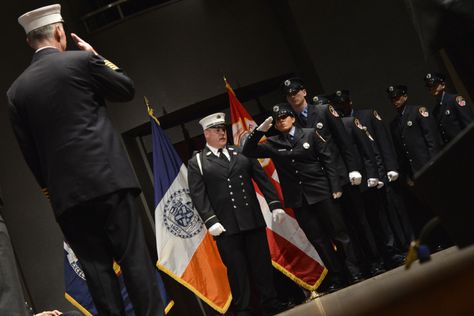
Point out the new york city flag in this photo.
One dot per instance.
(186, 251)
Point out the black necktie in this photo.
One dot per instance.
(303, 119)
(291, 138)
(222, 155)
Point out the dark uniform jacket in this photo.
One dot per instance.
(224, 192)
(305, 165)
(384, 150)
(328, 124)
(415, 137)
(363, 146)
(58, 114)
(452, 114)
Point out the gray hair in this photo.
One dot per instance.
(42, 33)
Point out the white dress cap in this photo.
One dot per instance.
(212, 120)
(40, 17)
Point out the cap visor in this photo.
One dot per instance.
(217, 126)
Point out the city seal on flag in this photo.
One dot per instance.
(179, 216)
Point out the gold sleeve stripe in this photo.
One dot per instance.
(207, 220)
(110, 64)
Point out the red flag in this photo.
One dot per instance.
(291, 251)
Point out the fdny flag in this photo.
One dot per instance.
(186, 252)
(292, 253)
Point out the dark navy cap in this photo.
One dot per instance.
(321, 99)
(340, 96)
(396, 90)
(282, 109)
(432, 78)
(292, 85)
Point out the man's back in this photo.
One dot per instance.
(58, 113)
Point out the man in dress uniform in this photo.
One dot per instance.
(388, 195)
(310, 185)
(372, 222)
(327, 122)
(414, 132)
(58, 113)
(416, 139)
(220, 184)
(450, 111)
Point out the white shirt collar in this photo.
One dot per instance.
(292, 131)
(215, 150)
(44, 47)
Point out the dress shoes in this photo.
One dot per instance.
(334, 286)
(355, 278)
(277, 307)
(376, 269)
(395, 261)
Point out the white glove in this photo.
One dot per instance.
(278, 215)
(336, 195)
(355, 177)
(380, 184)
(265, 126)
(216, 229)
(372, 182)
(392, 176)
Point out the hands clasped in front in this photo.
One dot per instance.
(355, 177)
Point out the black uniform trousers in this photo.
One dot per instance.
(378, 221)
(396, 208)
(322, 223)
(105, 229)
(241, 252)
(354, 212)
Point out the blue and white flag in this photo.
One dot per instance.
(186, 251)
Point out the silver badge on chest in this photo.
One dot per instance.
(306, 145)
(448, 112)
(409, 123)
(319, 125)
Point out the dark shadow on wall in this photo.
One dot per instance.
(446, 29)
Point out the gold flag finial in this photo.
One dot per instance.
(150, 110)
(228, 87)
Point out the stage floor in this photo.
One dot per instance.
(443, 286)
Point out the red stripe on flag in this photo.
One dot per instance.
(286, 256)
(294, 261)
